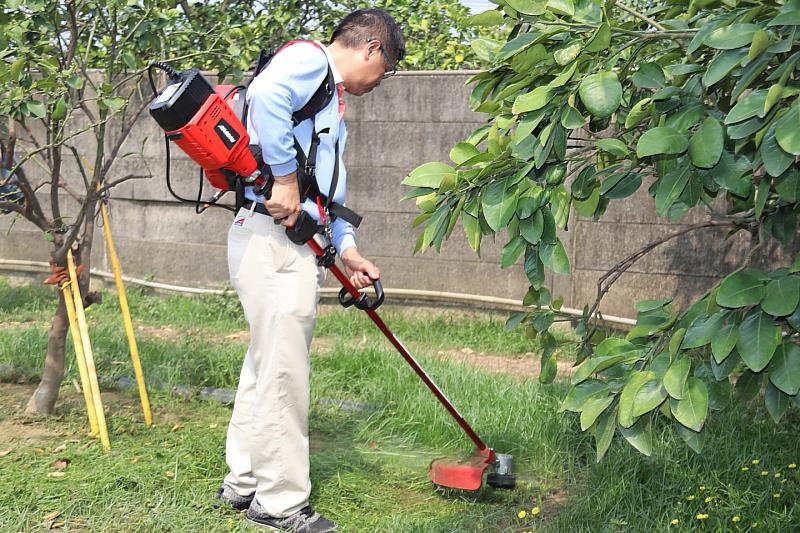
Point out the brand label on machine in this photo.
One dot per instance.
(226, 133)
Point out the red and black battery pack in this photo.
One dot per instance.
(203, 122)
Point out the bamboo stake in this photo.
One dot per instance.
(126, 319)
(80, 357)
(87, 350)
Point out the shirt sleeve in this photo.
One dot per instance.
(285, 86)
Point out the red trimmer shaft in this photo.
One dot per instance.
(463, 474)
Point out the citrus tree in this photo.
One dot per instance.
(696, 100)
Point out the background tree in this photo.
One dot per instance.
(72, 87)
(589, 101)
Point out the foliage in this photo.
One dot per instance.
(589, 101)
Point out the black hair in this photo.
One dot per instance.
(364, 25)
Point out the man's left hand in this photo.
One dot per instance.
(360, 271)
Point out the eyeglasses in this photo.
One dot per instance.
(390, 71)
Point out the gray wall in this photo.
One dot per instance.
(411, 119)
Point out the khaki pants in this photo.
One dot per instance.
(278, 284)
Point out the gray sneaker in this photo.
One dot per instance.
(228, 496)
(306, 520)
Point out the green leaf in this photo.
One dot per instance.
(561, 7)
(549, 368)
(582, 393)
(643, 306)
(560, 201)
(36, 109)
(571, 118)
(565, 55)
(517, 44)
(721, 66)
(491, 17)
(595, 364)
(536, 99)
(604, 432)
(730, 174)
(624, 187)
(640, 111)
(722, 344)
(740, 289)
(730, 37)
(528, 7)
(499, 204)
(472, 230)
(675, 378)
(462, 152)
(627, 398)
(695, 440)
(661, 140)
(702, 330)
(784, 370)
(601, 39)
(777, 402)
(788, 187)
(511, 251)
(532, 227)
(640, 436)
(749, 106)
(782, 295)
(612, 146)
(670, 188)
(428, 175)
(692, 410)
(593, 409)
(759, 336)
(649, 396)
(59, 110)
(675, 341)
(705, 146)
(601, 93)
(787, 132)
(724, 369)
(649, 76)
(748, 385)
(776, 160)
(534, 269)
(554, 257)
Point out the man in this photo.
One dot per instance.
(278, 281)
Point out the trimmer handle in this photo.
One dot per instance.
(363, 302)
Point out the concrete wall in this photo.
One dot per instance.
(411, 119)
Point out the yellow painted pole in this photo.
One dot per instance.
(126, 319)
(80, 357)
(87, 350)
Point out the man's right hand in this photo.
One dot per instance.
(284, 204)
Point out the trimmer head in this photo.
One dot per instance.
(467, 473)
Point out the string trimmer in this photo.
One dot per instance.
(202, 121)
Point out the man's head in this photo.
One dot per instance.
(366, 46)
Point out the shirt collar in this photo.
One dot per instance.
(337, 78)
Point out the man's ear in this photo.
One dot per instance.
(373, 47)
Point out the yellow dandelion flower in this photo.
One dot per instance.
(736, 519)
(702, 487)
(745, 469)
(792, 466)
(765, 472)
(522, 514)
(690, 497)
(701, 516)
(783, 481)
(675, 522)
(776, 495)
(709, 499)
(754, 525)
(777, 475)
(755, 461)
(535, 511)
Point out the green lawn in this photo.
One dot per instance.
(375, 428)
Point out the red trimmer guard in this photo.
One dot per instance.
(466, 474)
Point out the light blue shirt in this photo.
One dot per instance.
(286, 86)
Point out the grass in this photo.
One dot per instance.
(368, 465)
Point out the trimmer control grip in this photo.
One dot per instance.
(363, 302)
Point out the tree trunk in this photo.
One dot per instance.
(43, 401)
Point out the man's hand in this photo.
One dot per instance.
(360, 271)
(284, 204)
